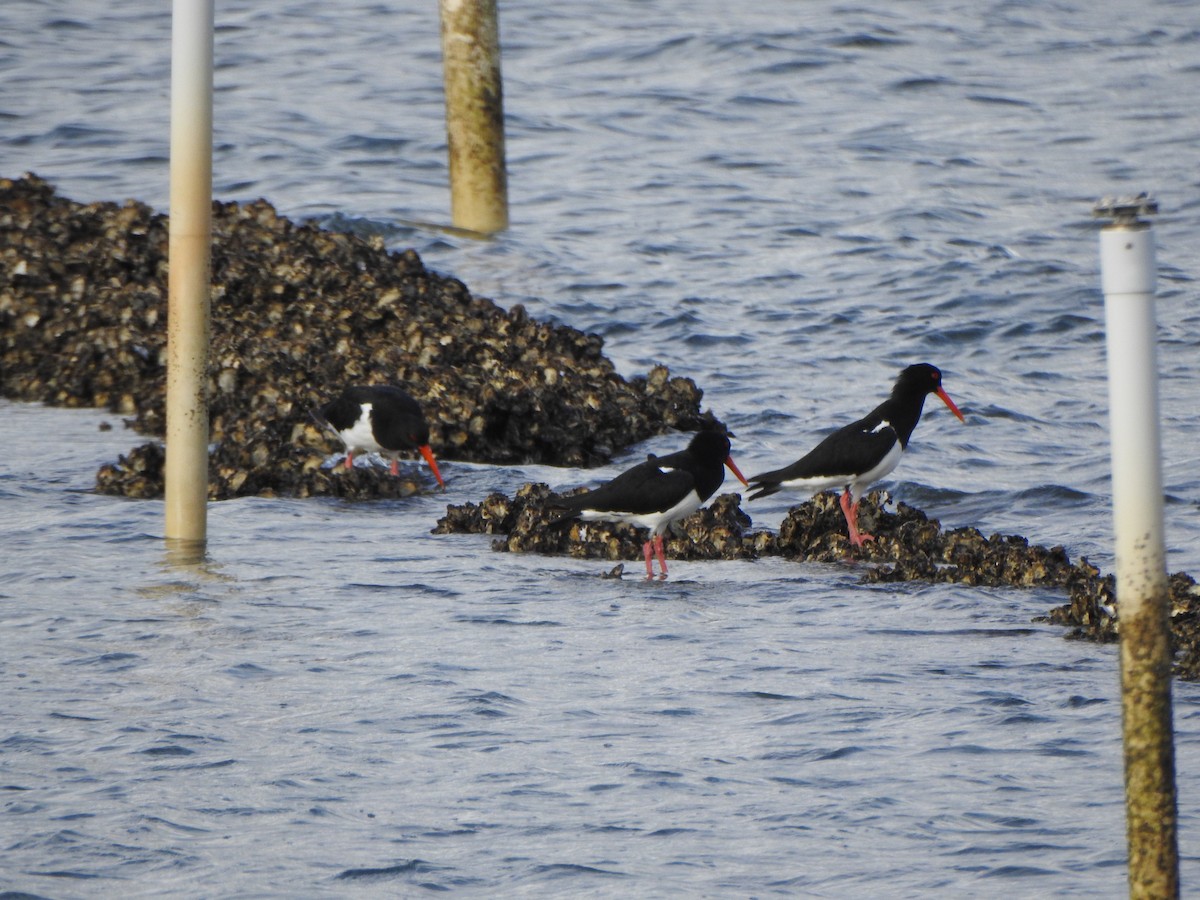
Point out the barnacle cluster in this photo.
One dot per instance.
(297, 313)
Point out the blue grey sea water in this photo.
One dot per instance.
(785, 201)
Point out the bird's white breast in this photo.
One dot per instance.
(882, 468)
(360, 436)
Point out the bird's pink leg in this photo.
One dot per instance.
(349, 459)
(662, 558)
(395, 466)
(647, 548)
(850, 511)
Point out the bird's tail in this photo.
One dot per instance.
(320, 419)
(564, 508)
(762, 489)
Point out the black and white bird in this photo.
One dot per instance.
(862, 452)
(659, 491)
(379, 419)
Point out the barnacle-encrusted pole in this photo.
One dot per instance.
(186, 487)
(1143, 594)
(474, 115)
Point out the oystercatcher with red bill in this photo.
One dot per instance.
(862, 452)
(659, 491)
(379, 419)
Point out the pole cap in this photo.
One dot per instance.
(1125, 210)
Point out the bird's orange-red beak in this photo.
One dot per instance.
(950, 403)
(428, 454)
(734, 469)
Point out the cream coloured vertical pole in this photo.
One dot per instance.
(188, 279)
(1127, 271)
(474, 115)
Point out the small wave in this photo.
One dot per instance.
(920, 84)
(1025, 719)
(167, 750)
(1075, 701)
(1017, 872)
(793, 66)
(504, 620)
(113, 662)
(965, 749)
(816, 755)
(66, 25)
(390, 146)
(1063, 748)
(867, 40)
(249, 670)
(403, 868)
(1059, 494)
(995, 100)
(564, 870)
(716, 340)
(76, 135)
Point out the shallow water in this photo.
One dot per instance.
(785, 203)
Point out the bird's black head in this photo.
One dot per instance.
(711, 446)
(919, 380)
(710, 443)
(921, 377)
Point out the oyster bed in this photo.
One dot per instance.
(299, 312)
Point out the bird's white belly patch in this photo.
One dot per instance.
(885, 465)
(359, 435)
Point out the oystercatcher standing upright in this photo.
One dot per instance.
(864, 451)
(659, 491)
(379, 419)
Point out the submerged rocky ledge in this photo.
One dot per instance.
(299, 312)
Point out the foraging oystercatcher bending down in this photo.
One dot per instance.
(864, 451)
(659, 491)
(379, 419)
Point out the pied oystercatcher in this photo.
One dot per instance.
(864, 451)
(379, 419)
(659, 491)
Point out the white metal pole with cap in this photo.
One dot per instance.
(186, 475)
(1127, 270)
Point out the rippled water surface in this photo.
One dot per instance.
(786, 202)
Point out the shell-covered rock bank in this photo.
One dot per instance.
(297, 314)
(908, 546)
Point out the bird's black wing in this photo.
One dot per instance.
(851, 450)
(646, 488)
(337, 414)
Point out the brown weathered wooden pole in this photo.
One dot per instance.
(474, 115)
(186, 475)
(1127, 268)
